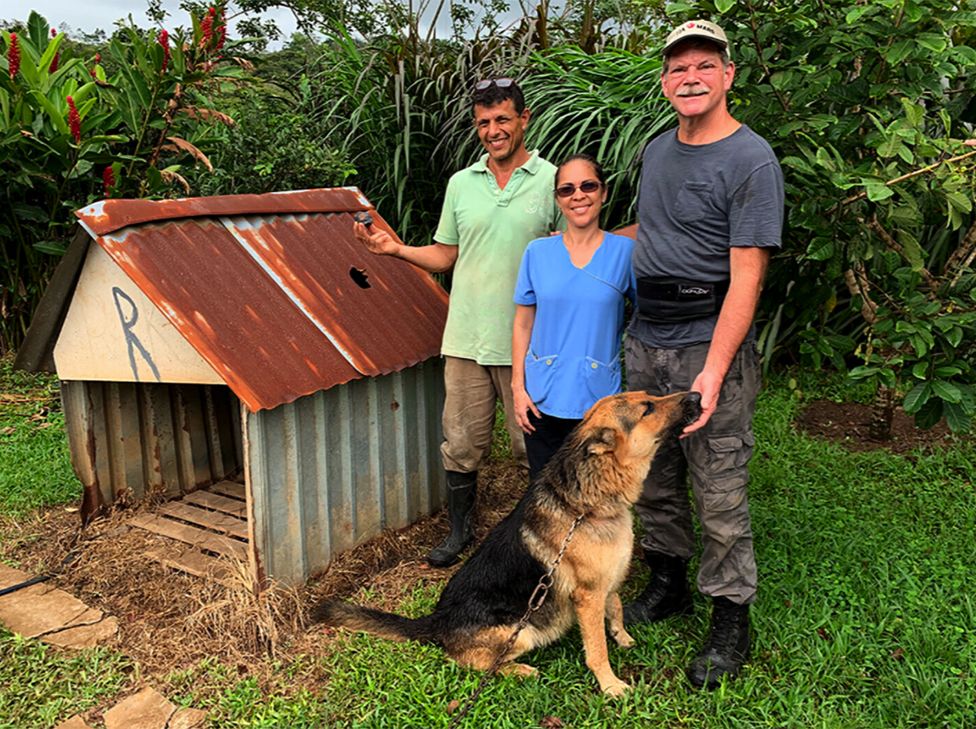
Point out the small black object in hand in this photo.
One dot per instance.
(363, 217)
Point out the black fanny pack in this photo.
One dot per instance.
(665, 300)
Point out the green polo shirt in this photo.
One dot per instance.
(491, 228)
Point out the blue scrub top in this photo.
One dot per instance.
(574, 352)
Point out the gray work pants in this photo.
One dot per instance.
(717, 459)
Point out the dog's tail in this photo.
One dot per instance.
(338, 614)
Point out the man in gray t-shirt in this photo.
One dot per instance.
(710, 210)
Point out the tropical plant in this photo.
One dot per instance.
(868, 105)
(71, 132)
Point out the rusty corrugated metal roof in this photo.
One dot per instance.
(274, 291)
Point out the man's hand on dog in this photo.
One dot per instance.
(523, 404)
(379, 241)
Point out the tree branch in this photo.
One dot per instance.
(915, 173)
(889, 240)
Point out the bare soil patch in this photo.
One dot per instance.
(848, 424)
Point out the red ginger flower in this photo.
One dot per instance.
(206, 27)
(53, 32)
(108, 180)
(163, 39)
(13, 55)
(74, 121)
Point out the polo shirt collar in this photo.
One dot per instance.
(531, 165)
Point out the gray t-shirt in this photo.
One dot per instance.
(696, 202)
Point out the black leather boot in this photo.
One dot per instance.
(666, 593)
(461, 491)
(727, 646)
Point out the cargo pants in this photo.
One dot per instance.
(716, 457)
(471, 393)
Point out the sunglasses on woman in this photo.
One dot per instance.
(502, 83)
(568, 188)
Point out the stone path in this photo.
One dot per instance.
(44, 612)
(147, 709)
(51, 615)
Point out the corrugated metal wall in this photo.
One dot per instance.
(333, 469)
(129, 440)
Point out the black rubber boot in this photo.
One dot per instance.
(666, 593)
(727, 646)
(461, 491)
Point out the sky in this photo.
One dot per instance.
(92, 15)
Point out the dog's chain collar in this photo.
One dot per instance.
(536, 600)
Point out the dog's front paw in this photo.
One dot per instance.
(522, 670)
(622, 638)
(615, 688)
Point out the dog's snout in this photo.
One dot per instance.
(691, 405)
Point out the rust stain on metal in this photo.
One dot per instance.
(107, 216)
(267, 298)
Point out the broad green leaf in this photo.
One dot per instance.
(52, 247)
(930, 413)
(912, 250)
(947, 391)
(854, 14)
(931, 42)
(37, 30)
(52, 47)
(917, 397)
(959, 201)
(862, 372)
(889, 147)
(820, 249)
(57, 119)
(899, 51)
(920, 370)
(947, 371)
(723, 6)
(958, 420)
(914, 113)
(878, 191)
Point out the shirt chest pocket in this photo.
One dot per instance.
(693, 202)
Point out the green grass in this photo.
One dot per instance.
(865, 618)
(41, 686)
(35, 466)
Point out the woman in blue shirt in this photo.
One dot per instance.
(569, 315)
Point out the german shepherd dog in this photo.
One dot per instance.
(598, 472)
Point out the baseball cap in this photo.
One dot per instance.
(696, 29)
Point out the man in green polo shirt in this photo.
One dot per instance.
(491, 211)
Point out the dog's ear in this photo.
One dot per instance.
(601, 440)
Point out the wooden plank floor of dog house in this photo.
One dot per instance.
(208, 528)
(234, 507)
(212, 520)
(228, 488)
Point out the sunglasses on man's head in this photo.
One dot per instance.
(502, 83)
(568, 188)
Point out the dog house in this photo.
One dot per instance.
(245, 359)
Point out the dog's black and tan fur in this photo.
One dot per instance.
(598, 472)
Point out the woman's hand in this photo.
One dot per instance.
(523, 405)
(379, 242)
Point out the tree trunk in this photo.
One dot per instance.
(882, 413)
